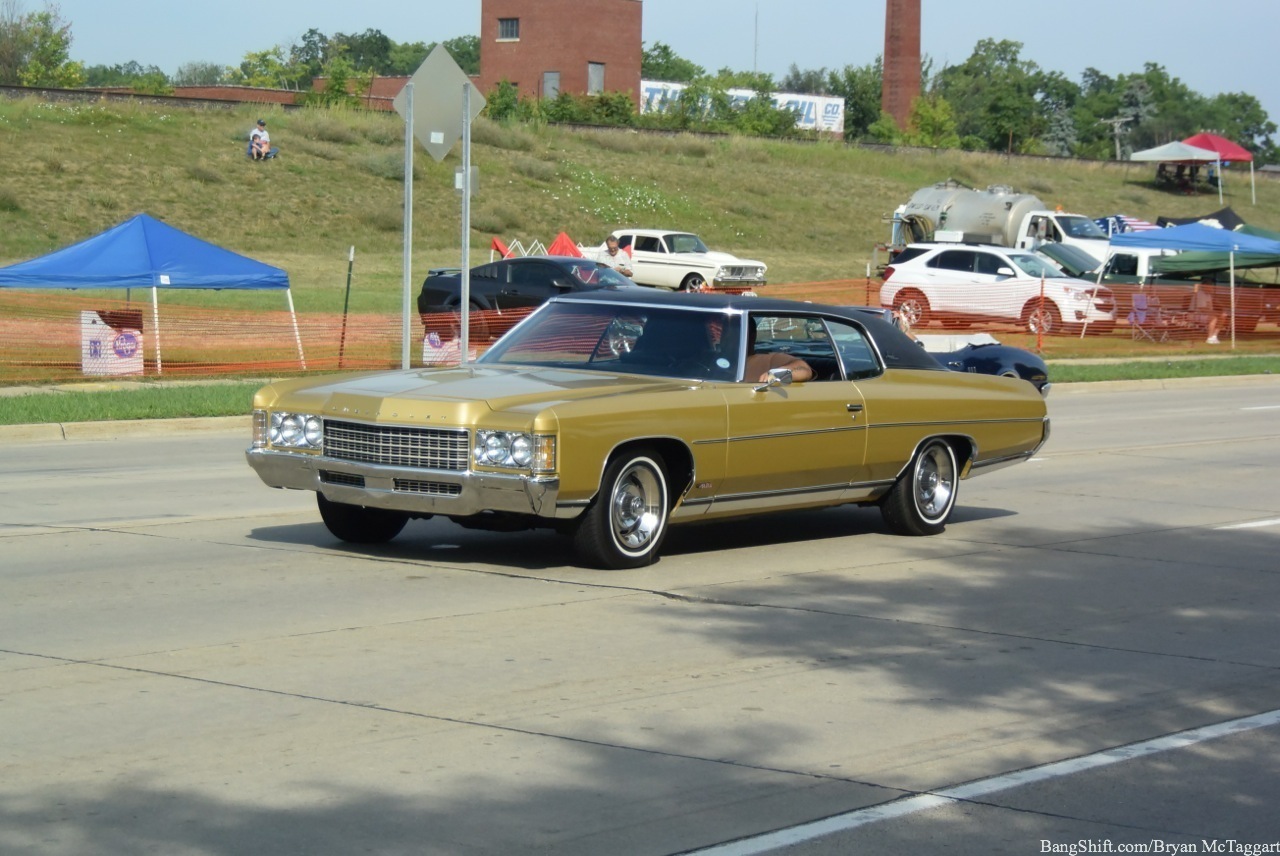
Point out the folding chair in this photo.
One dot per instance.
(1146, 320)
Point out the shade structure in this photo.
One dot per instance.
(143, 252)
(1198, 237)
(1227, 151)
(1175, 153)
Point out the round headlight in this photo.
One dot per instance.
(496, 447)
(314, 431)
(276, 420)
(522, 450)
(291, 429)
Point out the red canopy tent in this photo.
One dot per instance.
(1227, 151)
(563, 245)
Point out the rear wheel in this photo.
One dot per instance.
(914, 307)
(1041, 319)
(921, 500)
(625, 524)
(358, 524)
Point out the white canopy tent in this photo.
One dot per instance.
(1177, 152)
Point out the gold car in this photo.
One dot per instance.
(611, 415)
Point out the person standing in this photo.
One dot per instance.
(615, 257)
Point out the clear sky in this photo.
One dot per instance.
(1234, 51)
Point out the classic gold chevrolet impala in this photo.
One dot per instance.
(610, 415)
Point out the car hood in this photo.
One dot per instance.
(455, 395)
(720, 258)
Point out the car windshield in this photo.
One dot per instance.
(1036, 267)
(668, 342)
(1081, 227)
(681, 242)
(593, 273)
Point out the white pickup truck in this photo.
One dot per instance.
(680, 261)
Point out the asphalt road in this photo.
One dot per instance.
(189, 664)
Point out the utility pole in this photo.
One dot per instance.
(1116, 124)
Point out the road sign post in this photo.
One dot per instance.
(442, 115)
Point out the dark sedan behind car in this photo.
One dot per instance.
(516, 283)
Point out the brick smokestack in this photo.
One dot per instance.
(901, 58)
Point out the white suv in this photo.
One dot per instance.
(957, 284)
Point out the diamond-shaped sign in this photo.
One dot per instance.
(437, 102)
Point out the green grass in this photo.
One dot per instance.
(163, 401)
(1148, 369)
(145, 402)
(812, 211)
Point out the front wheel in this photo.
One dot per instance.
(693, 282)
(359, 524)
(625, 524)
(921, 500)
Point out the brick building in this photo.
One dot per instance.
(546, 47)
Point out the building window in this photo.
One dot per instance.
(550, 84)
(509, 29)
(595, 78)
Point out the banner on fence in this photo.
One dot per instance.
(111, 342)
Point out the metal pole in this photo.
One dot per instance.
(464, 342)
(408, 224)
(346, 303)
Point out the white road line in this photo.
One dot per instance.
(923, 802)
(1253, 524)
(1263, 407)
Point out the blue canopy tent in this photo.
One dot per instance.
(1198, 237)
(143, 252)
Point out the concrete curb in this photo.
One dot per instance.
(132, 428)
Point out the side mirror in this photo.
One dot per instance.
(777, 377)
(561, 282)
(1004, 271)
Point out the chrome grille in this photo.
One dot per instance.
(427, 487)
(397, 446)
(329, 477)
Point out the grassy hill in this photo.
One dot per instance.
(813, 212)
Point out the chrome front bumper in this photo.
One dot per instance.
(444, 492)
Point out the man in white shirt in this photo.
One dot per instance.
(260, 141)
(614, 257)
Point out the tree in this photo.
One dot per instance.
(932, 123)
(198, 74)
(813, 81)
(35, 48)
(367, 51)
(465, 51)
(660, 62)
(308, 57)
(861, 87)
(260, 68)
(405, 57)
(994, 95)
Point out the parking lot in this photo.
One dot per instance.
(190, 664)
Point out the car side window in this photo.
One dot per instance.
(857, 358)
(988, 263)
(624, 241)
(961, 260)
(1123, 264)
(649, 244)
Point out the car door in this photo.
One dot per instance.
(950, 276)
(800, 443)
(1000, 288)
(531, 282)
(651, 263)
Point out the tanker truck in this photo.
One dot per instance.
(950, 211)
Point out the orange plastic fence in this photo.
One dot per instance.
(65, 336)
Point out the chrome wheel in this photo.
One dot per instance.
(625, 524)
